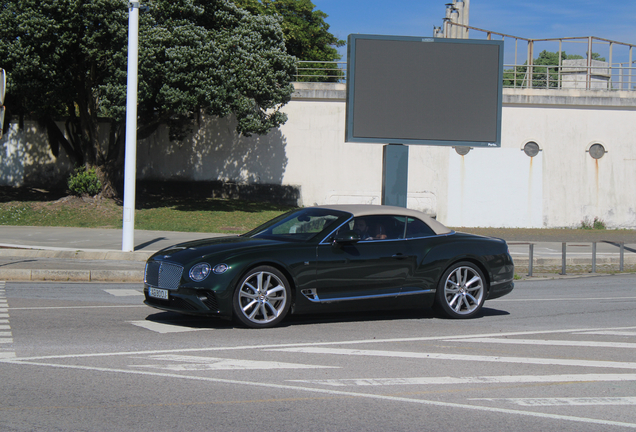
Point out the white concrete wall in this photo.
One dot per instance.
(26, 158)
(499, 187)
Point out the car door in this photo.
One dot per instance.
(377, 266)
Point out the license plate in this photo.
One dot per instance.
(158, 293)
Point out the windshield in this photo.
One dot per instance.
(300, 225)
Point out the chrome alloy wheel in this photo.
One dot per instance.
(463, 290)
(262, 299)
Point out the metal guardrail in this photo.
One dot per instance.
(593, 256)
(598, 76)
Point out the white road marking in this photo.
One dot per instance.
(505, 379)
(587, 401)
(6, 338)
(165, 328)
(76, 307)
(336, 393)
(587, 344)
(562, 299)
(198, 363)
(317, 344)
(460, 357)
(609, 333)
(124, 292)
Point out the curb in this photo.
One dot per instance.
(72, 275)
(76, 254)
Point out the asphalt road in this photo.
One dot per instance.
(552, 355)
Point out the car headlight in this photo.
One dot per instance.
(220, 268)
(200, 271)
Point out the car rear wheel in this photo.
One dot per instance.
(461, 291)
(262, 298)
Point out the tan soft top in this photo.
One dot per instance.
(370, 210)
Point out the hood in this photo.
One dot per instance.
(189, 251)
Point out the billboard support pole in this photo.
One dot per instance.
(395, 174)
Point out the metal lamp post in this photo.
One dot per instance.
(130, 164)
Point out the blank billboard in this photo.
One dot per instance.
(413, 90)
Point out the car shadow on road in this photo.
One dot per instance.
(196, 322)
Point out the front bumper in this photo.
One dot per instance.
(186, 301)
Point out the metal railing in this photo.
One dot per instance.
(598, 76)
(321, 71)
(580, 264)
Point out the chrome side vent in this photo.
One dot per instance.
(311, 295)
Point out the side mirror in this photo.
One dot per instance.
(346, 237)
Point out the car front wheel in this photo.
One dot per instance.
(461, 291)
(262, 298)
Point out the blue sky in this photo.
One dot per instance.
(538, 19)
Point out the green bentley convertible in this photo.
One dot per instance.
(331, 258)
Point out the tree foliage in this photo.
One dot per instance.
(67, 59)
(306, 33)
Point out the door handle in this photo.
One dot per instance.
(399, 256)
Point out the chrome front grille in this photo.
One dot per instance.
(161, 274)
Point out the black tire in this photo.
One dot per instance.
(262, 298)
(461, 291)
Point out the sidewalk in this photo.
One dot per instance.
(88, 254)
(80, 254)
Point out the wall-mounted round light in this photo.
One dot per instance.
(531, 149)
(462, 150)
(597, 151)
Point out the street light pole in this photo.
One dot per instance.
(130, 164)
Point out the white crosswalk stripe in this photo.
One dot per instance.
(6, 338)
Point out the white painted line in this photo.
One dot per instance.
(459, 357)
(7, 354)
(124, 292)
(5, 334)
(609, 333)
(337, 393)
(4, 327)
(197, 363)
(4, 321)
(6, 340)
(511, 379)
(587, 344)
(314, 344)
(562, 299)
(4, 315)
(75, 307)
(165, 328)
(543, 402)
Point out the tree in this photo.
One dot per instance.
(66, 59)
(306, 33)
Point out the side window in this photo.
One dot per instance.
(379, 227)
(416, 229)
